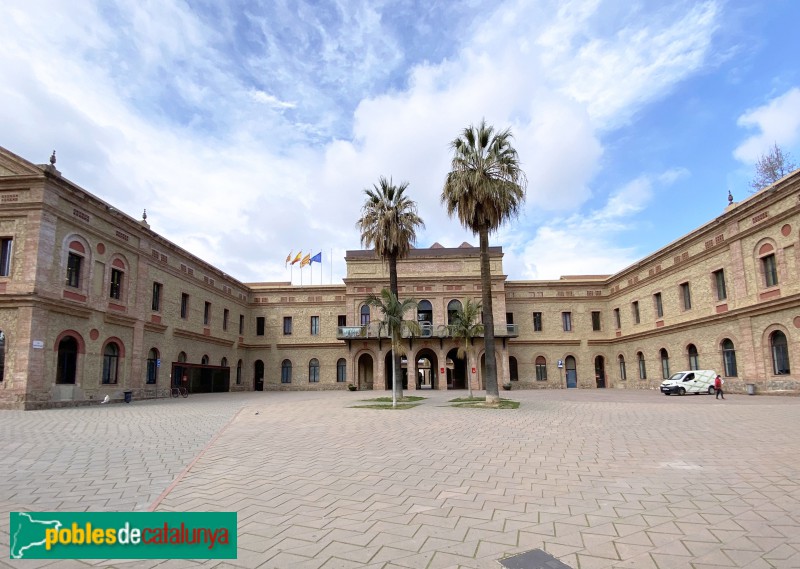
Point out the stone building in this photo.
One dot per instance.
(94, 303)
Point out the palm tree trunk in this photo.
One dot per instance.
(469, 370)
(394, 375)
(492, 392)
(397, 391)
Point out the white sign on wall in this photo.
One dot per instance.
(38, 344)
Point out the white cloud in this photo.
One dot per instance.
(778, 122)
(240, 156)
(586, 242)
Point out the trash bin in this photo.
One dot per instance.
(128, 396)
(751, 388)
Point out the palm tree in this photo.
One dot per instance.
(389, 223)
(485, 188)
(395, 325)
(465, 326)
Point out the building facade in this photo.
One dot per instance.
(94, 303)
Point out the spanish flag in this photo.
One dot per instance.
(298, 257)
(288, 259)
(306, 260)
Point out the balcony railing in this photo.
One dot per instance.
(427, 330)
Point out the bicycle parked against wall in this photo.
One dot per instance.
(182, 389)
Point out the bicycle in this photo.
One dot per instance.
(176, 391)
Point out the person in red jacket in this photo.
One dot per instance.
(718, 386)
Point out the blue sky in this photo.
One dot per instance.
(250, 129)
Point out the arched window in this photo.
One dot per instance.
(424, 311)
(729, 358)
(694, 360)
(239, 372)
(152, 366)
(453, 307)
(204, 360)
(75, 264)
(642, 365)
(513, 371)
(622, 374)
(286, 371)
(780, 353)
(313, 371)
(223, 362)
(182, 357)
(110, 363)
(769, 267)
(341, 370)
(365, 315)
(664, 363)
(541, 368)
(67, 360)
(115, 283)
(2, 355)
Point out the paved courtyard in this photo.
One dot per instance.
(598, 479)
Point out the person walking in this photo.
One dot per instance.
(718, 381)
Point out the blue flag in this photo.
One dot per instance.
(316, 258)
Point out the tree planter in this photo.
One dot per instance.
(507, 386)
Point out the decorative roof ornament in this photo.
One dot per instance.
(144, 215)
(730, 198)
(53, 158)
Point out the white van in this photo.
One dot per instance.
(693, 381)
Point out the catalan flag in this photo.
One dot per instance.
(288, 259)
(306, 260)
(298, 257)
(316, 258)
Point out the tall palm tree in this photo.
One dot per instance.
(485, 188)
(464, 327)
(389, 223)
(394, 324)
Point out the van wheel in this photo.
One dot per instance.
(711, 390)
(681, 391)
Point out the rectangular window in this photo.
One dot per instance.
(617, 320)
(116, 284)
(686, 296)
(596, 320)
(225, 314)
(315, 325)
(341, 320)
(635, 312)
(6, 244)
(509, 317)
(658, 305)
(341, 371)
(287, 325)
(260, 322)
(156, 304)
(206, 313)
(537, 321)
(770, 271)
(241, 324)
(719, 281)
(541, 371)
(184, 306)
(74, 270)
(566, 319)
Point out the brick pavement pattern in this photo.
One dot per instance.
(596, 478)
